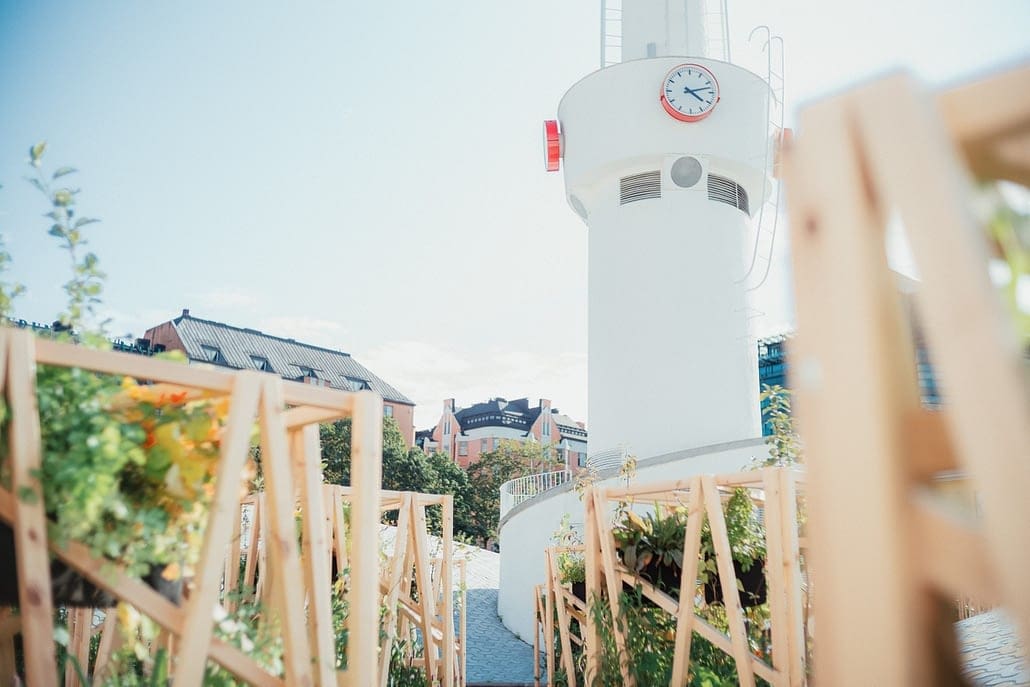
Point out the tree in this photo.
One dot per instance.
(509, 460)
(403, 469)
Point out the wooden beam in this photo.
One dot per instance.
(28, 518)
(366, 479)
(286, 578)
(963, 320)
(728, 580)
(223, 511)
(688, 585)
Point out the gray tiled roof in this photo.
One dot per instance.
(284, 355)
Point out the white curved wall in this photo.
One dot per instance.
(527, 532)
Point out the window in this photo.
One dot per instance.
(213, 355)
(546, 429)
(447, 427)
(356, 384)
(497, 443)
(387, 411)
(261, 363)
(306, 371)
(482, 445)
(581, 459)
(463, 448)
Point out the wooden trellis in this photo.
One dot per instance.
(557, 607)
(776, 491)
(287, 415)
(410, 566)
(889, 552)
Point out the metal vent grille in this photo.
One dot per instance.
(728, 191)
(640, 187)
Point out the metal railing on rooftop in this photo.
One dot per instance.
(515, 491)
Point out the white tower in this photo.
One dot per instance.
(665, 157)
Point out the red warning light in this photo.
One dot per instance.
(552, 146)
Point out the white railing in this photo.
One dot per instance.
(515, 491)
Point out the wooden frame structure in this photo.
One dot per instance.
(891, 554)
(410, 566)
(288, 415)
(776, 489)
(557, 607)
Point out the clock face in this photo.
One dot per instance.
(689, 92)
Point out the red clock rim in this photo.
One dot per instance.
(676, 114)
(552, 145)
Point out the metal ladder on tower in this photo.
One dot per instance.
(611, 32)
(768, 212)
(717, 30)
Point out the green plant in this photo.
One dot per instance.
(656, 539)
(784, 443)
(126, 469)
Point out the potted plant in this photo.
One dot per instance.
(571, 564)
(572, 569)
(747, 546)
(652, 546)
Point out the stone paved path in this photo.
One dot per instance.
(991, 654)
(494, 656)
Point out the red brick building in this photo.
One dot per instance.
(216, 343)
(465, 433)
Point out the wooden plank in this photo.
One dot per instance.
(857, 495)
(791, 543)
(563, 618)
(614, 587)
(110, 640)
(286, 579)
(988, 403)
(393, 587)
(775, 571)
(728, 580)
(592, 555)
(366, 458)
(224, 509)
(28, 519)
(982, 133)
(549, 611)
(427, 610)
(447, 579)
(928, 445)
(233, 560)
(8, 667)
(952, 550)
(307, 457)
(688, 585)
(537, 617)
(463, 564)
(140, 367)
(302, 416)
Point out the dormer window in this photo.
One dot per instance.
(306, 371)
(261, 363)
(213, 355)
(356, 384)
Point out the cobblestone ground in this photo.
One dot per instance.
(991, 654)
(494, 654)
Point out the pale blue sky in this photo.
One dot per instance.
(369, 176)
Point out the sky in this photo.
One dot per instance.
(369, 176)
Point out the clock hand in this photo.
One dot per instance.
(693, 93)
